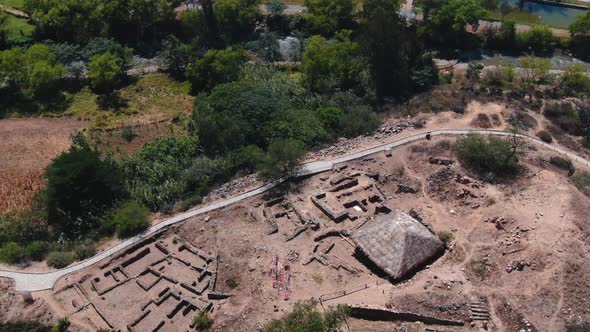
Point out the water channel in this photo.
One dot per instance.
(556, 16)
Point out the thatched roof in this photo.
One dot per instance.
(397, 243)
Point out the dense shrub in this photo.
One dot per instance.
(538, 39)
(23, 326)
(187, 203)
(131, 218)
(563, 115)
(481, 121)
(12, 253)
(24, 227)
(305, 317)
(582, 180)
(282, 157)
(153, 174)
(563, 163)
(63, 325)
(545, 136)
(299, 124)
(522, 120)
(498, 38)
(493, 155)
(84, 250)
(446, 237)
(128, 133)
(36, 250)
(202, 321)
(358, 120)
(60, 259)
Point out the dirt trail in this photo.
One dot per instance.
(13, 11)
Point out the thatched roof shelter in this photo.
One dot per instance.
(397, 243)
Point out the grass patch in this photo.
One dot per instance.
(582, 180)
(317, 278)
(516, 16)
(18, 4)
(232, 282)
(446, 237)
(151, 99)
(18, 28)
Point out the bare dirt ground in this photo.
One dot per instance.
(515, 262)
(26, 148)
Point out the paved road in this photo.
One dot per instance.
(39, 281)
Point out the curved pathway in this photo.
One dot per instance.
(32, 281)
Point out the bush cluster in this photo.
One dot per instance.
(489, 155)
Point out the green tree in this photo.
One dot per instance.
(216, 67)
(33, 72)
(66, 20)
(329, 66)
(3, 29)
(236, 19)
(574, 79)
(13, 65)
(80, 188)
(538, 39)
(104, 73)
(326, 17)
(533, 70)
(282, 158)
(266, 46)
(580, 31)
(445, 21)
(44, 79)
(306, 318)
(299, 124)
(234, 115)
(176, 56)
(131, 218)
(490, 4)
(499, 38)
(388, 47)
(330, 117)
(275, 8)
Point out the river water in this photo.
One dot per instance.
(556, 16)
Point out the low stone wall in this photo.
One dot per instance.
(386, 314)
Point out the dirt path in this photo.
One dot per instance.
(14, 11)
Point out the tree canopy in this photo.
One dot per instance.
(580, 31)
(326, 17)
(445, 21)
(80, 187)
(215, 67)
(333, 65)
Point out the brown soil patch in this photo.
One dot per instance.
(516, 257)
(27, 146)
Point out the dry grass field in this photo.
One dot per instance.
(26, 148)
